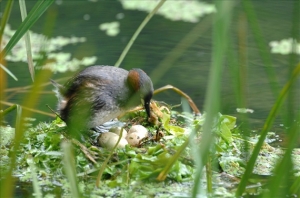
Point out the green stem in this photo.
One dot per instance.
(8, 110)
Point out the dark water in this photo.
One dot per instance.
(189, 72)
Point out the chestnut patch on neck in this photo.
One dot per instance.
(134, 79)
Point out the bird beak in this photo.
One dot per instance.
(147, 108)
(146, 101)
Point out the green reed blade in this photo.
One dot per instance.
(27, 40)
(8, 72)
(212, 100)
(39, 8)
(69, 167)
(262, 46)
(5, 18)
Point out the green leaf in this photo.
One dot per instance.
(174, 130)
(225, 132)
(230, 121)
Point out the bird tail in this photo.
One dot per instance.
(58, 90)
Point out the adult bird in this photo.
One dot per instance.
(98, 94)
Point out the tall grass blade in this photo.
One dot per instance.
(8, 72)
(69, 167)
(4, 20)
(212, 99)
(262, 46)
(270, 119)
(137, 32)
(295, 188)
(27, 40)
(292, 120)
(39, 8)
(283, 178)
(35, 183)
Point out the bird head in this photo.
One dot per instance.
(142, 85)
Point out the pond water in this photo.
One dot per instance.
(189, 72)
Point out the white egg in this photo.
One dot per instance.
(133, 139)
(140, 129)
(117, 130)
(135, 134)
(109, 140)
